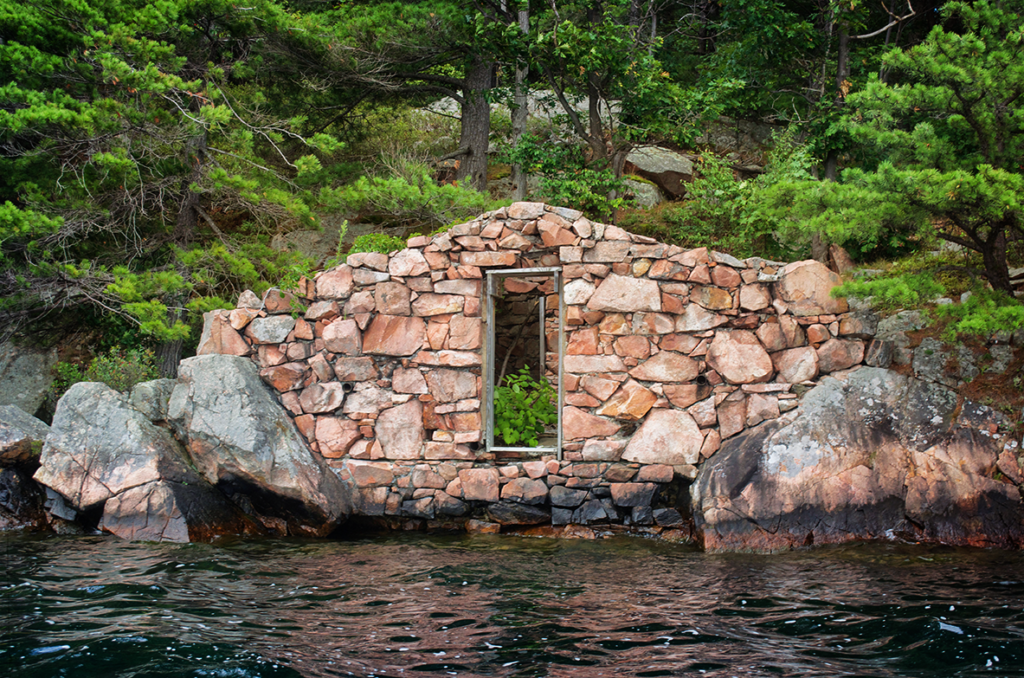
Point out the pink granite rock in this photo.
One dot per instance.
(697, 319)
(704, 413)
(796, 364)
(633, 347)
(321, 398)
(771, 336)
(219, 337)
(335, 284)
(579, 425)
(335, 436)
(408, 263)
(839, 354)
(732, 417)
(760, 407)
(464, 333)
(806, 288)
(488, 259)
(378, 261)
(626, 295)
(343, 336)
(739, 357)
(666, 366)
(725, 276)
(408, 381)
(754, 297)
(392, 298)
(525, 491)
(438, 304)
(631, 402)
(394, 335)
(448, 386)
(583, 364)
(711, 298)
(286, 377)
(355, 369)
(666, 437)
(479, 484)
(400, 431)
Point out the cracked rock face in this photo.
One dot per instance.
(872, 456)
(103, 455)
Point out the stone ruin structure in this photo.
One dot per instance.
(387, 365)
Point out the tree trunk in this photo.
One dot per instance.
(993, 253)
(520, 113)
(819, 244)
(476, 124)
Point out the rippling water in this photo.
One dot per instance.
(412, 605)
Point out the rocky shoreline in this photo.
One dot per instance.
(734, 403)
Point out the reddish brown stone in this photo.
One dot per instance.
(240, 317)
(378, 261)
(392, 298)
(760, 407)
(806, 286)
(697, 319)
(732, 417)
(771, 336)
(394, 335)
(754, 297)
(448, 386)
(796, 364)
(704, 413)
(583, 364)
(839, 354)
(666, 437)
(465, 333)
(615, 324)
(321, 398)
(701, 275)
(343, 336)
(817, 334)
(335, 284)
(682, 343)
(286, 377)
(335, 436)
(488, 259)
(633, 346)
(583, 342)
(631, 402)
(626, 295)
(448, 358)
(408, 263)
(479, 484)
(578, 425)
(355, 369)
(408, 381)
(581, 400)
(711, 298)
(400, 431)
(684, 395)
(666, 366)
(739, 357)
(437, 304)
(276, 301)
(219, 337)
(600, 388)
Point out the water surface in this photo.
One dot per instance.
(412, 605)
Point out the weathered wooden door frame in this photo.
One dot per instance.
(494, 278)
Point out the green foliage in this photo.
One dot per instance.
(120, 369)
(523, 408)
(985, 313)
(377, 242)
(892, 293)
(565, 180)
(411, 196)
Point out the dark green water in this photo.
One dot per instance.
(415, 605)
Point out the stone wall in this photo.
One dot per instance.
(668, 352)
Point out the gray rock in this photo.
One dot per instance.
(668, 517)
(25, 375)
(566, 498)
(641, 515)
(930, 360)
(151, 398)
(21, 435)
(593, 511)
(904, 321)
(967, 364)
(270, 330)
(1002, 356)
(668, 169)
(644, 194)
(243, 441)
(873, 455)
(879, 353)
(727, 259)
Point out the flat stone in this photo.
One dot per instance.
(488, 259)
(666, 366)
(448, 358)
(321, 398)
(408, 381)
(566, 498)
(525, 211)
(366, 398)
(732, 417)
(633, 494)
(806, 286)
(583, 364)
(400, 431)
(633, 347)
(525, 491)
(626, 295)
(631, 402)
(607, 252)
(448, 386)
(839, 354)
(392, 298)
(761, 407)
(343, 336)
(603, 450)
(219, 337)
(579, 425)
(704, 413)
(697, 319)
(579, 292)
(771, 336)
(796, 364)
(395, 335)
(711, 298)
(739, 357)
(438, 304)
(754, 297)
(479, 484)
(655, 473)
(666, 437)
(335, 284)
(335, 436)
(511, 513)
(286, 377)
(270, 330)
(684, 395)
(21, 435)
(464, 334)
(355, 369)
(408, 263)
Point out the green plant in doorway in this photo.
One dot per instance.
(523, 408)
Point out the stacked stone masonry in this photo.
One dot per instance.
(668, 352)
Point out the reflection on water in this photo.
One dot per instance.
(501, 606)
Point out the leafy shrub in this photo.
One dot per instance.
(410, 196)
(119, 369)
(377, 242)
(905, 290)
(523, 408)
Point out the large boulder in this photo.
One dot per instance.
(25, 375)
(870, 455)
(21, 436)
(22, 501)
(102, 456)
(668, 170)
(242, 440)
